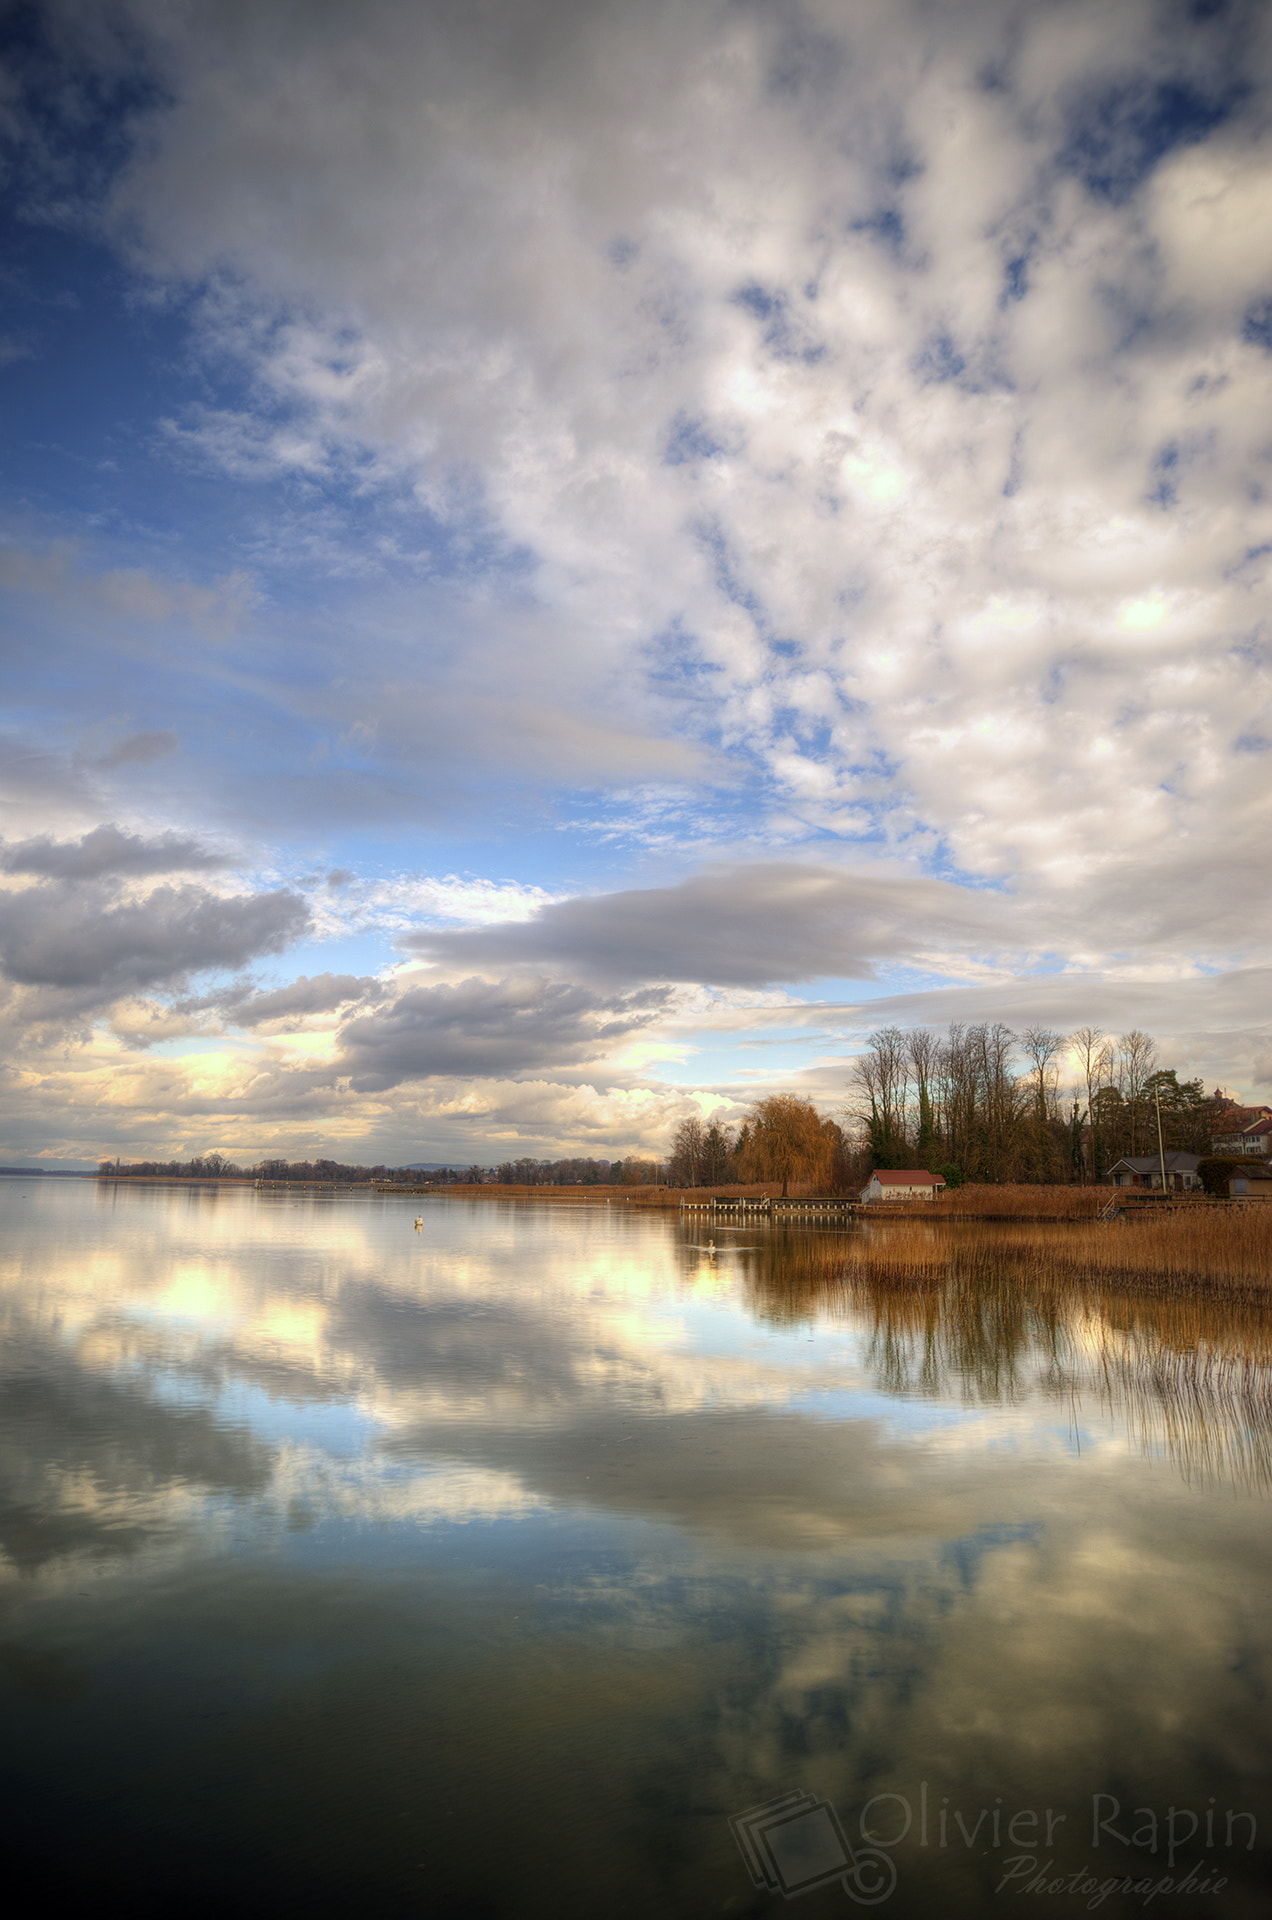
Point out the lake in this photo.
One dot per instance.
(548, 1560)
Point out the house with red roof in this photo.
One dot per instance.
(902, 1183)
(1250, 1133)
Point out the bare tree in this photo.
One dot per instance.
(1136, 1058)
(1042, 1047)
(1095, 1062)
(1001, 1098)
(879, 1080)
(923, 1055)
(688, 1150)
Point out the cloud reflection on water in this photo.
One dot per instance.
(685, 1526)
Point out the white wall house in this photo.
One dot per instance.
(904, 1183)
(1145, 1170)
(1255, 1137)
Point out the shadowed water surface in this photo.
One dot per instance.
(495, 1567)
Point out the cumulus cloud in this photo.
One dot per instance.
(85, 939)
(750, 926)
(324, 993)
(107, 850)
(480, 1028)
(835, 395)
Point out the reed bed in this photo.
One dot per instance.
(1205, 1247)
(1019, 1202)
(1189, 1377)
(1168, 1332)
(1209, 1251)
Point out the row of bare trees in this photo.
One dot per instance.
(979, 1102)
(1038, 1106)
(215, 1166)
(574, 1172)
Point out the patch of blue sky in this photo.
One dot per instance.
(673, 656)
(711, 536)
(759, 301)
(716, 1065)
(93, 370)
(111, 430)
(593, 827)
(1248, 559)
(1015, 280)
(781, 333)
(1120, 132)
(1210, 969)
(941, 864)
(161, 687)
(192, 1046)
(690, 440)
(939, 360)
(885, 224)
(1048, 965)
(896, 981)
(361, 952)
(850, 1003)
(1167, 469)
(1256, 327)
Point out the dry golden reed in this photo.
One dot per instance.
(1021, 1202)
(1202, 1247)
(1169, 1330)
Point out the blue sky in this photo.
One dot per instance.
(561, 564)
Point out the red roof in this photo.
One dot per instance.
(906, 1177)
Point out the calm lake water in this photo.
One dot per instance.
(496, 1568)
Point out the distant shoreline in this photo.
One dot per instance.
(48, 1173)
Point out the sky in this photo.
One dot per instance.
(560, 564)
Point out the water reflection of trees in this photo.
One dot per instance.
(1190, 1375)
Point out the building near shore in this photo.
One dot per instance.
(902, 1183)
(1145, 1170)
(1253, 1136)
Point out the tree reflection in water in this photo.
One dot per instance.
(1188, 1373)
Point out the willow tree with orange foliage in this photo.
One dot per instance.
(785, 1138)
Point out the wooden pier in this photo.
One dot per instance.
(771, 1207)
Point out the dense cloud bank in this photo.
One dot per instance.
(106, 850)
(86, 938)
(479, 1028)
(753, 926)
